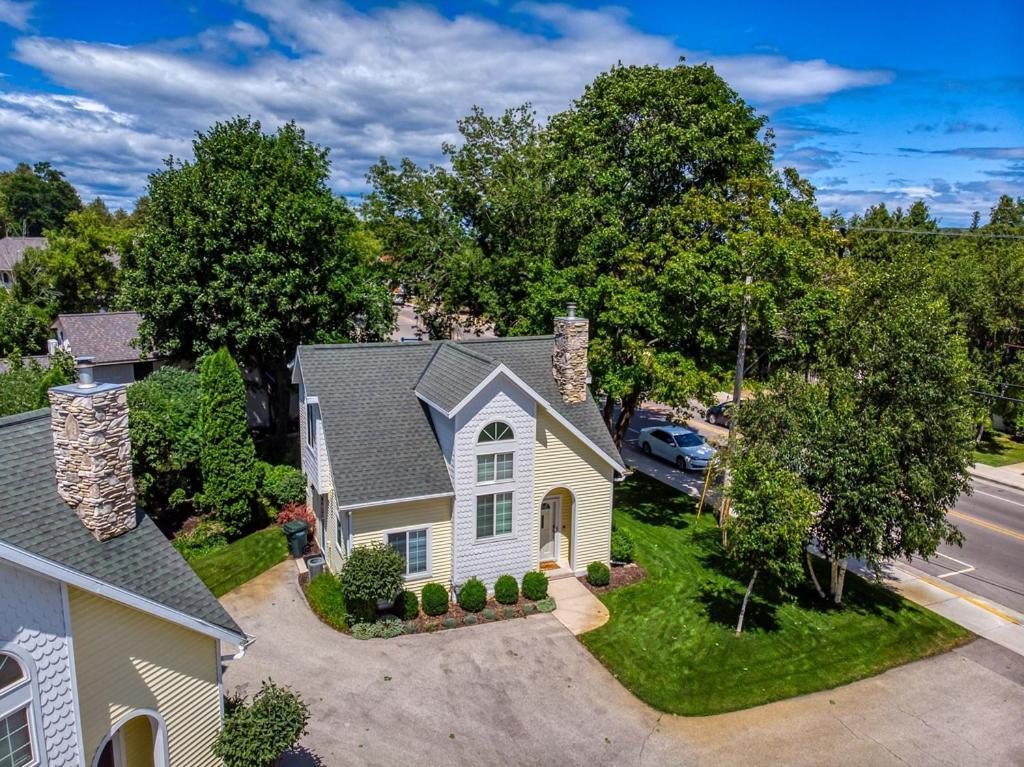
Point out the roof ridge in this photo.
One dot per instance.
(30, 415)
(505, 339)
(99, 314)
(475, 355)
(426, 367)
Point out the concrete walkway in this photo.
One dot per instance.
(1009, 476)
(577, 608)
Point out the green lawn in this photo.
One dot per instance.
(671, 638)
(998, 450)
(241, 561)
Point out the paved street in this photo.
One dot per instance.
(991, 562)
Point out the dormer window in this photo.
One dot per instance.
(311, 417)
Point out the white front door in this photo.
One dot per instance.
(550, 519)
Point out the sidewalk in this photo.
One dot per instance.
(1009, 476)
(985, 618)
(578, 609)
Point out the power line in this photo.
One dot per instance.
(928, 232)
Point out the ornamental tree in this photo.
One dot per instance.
(227, 456)
(371, 573)
(775, 512)
(258, 734)
(245, 247)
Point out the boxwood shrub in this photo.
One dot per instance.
(535, 585)
(598, 574)
(506, 590)
(622, 546)
(473, 596)
(435, 599)
(407, 605)
(327, 600)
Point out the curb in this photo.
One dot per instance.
(997, 480)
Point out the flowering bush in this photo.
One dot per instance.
(298, 511)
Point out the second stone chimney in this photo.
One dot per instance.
(569, 359)
(93, 454)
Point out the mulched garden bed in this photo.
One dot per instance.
(621, 575)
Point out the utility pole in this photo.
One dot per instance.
(737, 391)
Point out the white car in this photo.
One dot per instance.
(687, 449)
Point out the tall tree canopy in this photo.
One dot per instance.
(246, 247)
(34, 199)
(648, 202)
(78, 270)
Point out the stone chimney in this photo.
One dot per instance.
(569, 359)
(93, 454)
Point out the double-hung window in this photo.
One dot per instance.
(493, 514)
(412, 545)
(494, 467)
(16, 748)
(311, 415)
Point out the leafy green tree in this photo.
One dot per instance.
(883, 435)
(34, 199)
(163, 420)
(24, 387)
(258, 734)
(23, 328)
(227, 457)
(775, 511)
(77, 271)
(246, 247)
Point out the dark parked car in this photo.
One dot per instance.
(720, 414)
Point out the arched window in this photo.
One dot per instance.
(496, 432)
(495, 470)
(16, 747)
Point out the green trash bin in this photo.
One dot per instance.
(296, 532)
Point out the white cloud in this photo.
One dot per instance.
(390, 81)
(16, 13)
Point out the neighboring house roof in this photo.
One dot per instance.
(139, 567)
(12, 250)
(373, 404)
(107, 337)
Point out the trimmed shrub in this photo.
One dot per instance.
(489, 614)
(473, 596)
(535, 585)
(227, 456)
(622, 546)
(256, 735)
(371, 573)
(449, 623)
(407, 605)
(434, 598)
(598, 574)
(546, 605)
(282, 484)
(469, 620)
(301, 511)
(327, 600)
(207, 537)
(506, 590)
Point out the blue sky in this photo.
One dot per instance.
(878, 102)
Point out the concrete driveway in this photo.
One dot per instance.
(525, 692)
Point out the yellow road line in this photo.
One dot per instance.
(975, 602)
(991, 526)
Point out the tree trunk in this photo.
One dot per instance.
(981, 433)
(622, 425)
(723, 522)
(839, 585)
(280, 391)
(814, 576)
(746, 598)
(607, 411)
(833, 576)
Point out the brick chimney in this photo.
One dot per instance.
(569, 359)
(93, 454)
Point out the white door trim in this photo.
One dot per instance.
(555, 526)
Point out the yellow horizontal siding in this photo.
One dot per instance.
(127, 660)
(561, 460)
(370, 525)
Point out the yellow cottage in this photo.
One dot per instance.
(473, 459)
(110, 646)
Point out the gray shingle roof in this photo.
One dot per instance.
(373, 420)
(34, 518)
(107, 337)
(12, 250)
(452, 374)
